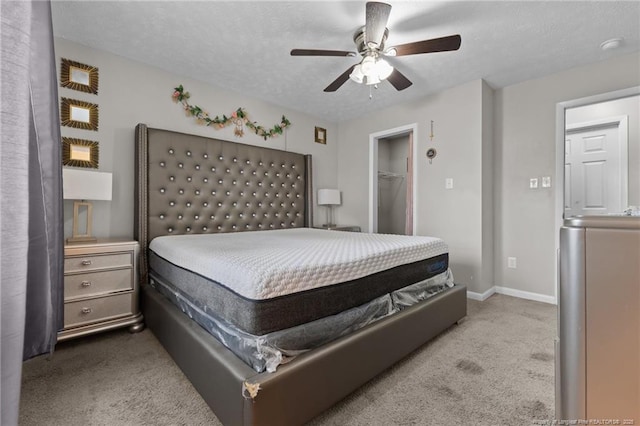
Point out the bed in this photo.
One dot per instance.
(195, 189)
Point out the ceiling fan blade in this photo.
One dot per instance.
(340, 80)
(376, 21)
(318, 52)
(442, 44)
(398, 80)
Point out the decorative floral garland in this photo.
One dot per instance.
(239, 117)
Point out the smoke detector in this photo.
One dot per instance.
(611, 44)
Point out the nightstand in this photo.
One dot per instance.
(340, 228)
(100, 288)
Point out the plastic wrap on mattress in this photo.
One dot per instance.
(268, 351)
(414, 293)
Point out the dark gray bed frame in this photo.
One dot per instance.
(193, 184)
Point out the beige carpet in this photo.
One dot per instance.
(496, 368)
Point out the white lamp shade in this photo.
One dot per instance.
(328, 197)
(85, 185)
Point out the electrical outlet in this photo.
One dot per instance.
(448, 183)
(533, 183)
(511, 262)
(546, 181)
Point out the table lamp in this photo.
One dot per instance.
(80, 186)
(330, 198)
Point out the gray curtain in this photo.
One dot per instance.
(31, 242)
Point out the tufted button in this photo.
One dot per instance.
(213, 169)
(248, 162)
(172, 178)
(253, 215)
(253, 193)
(219, 227)
(188, 229)
(212, 217)
(234, 182)
(189, 179)
(247, 204)
(277, 214)
(188, 204)
(297, 195)
(277, 195)
(241, 215)
(297, 214)
(282, 224)
(259, 204)
(196, 217)
(253, 173)
(259, 225)
(220, 158)
(197, 192)
(282, 185)
(213, 192)
(241, 171)
(246, 226)
(205, 180)
(272, 185)
(180, 165)
(170, 230)
(242, 193)
(293, 224)
(172, 203)
(246, 183)
(171, 151)
(288, 175)
(260, 163)
(234, 227)
(266, 215)
(219, 204)
(267, 195)
(179, 217)
(205, 204)
(271, 225)
(281, 204)
(293, 166)
(282, 165)
(266, 173)
(181, 191)
(205, 155)
(271, 204)
(288, 214)
(228, 170)
(161, 216)
(259, 183)
(272, 164)
(162, 190)
(228, 192)
(298, 177)
(235, 204)
(188, 153)
(235, 160)
(288, 195)
(204, 228)
(220, 181)
(197, 167)
(277, 174)
(162, 164)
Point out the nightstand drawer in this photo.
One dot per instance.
(97, 283)
(92, 310)
(97, 261)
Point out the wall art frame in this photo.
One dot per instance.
(80, 153)
(78, 114)
(320, 135)
(77, 76)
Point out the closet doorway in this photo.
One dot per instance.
(392, 174)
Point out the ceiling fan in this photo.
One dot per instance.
(370, 42)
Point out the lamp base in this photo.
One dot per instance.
(77, 240)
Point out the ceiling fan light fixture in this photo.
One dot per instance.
(357, 75)
(372, 79)
(383, 69)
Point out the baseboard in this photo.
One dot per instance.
(481, 296)
(511, 292)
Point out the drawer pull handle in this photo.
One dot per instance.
(86, 283)
(86, 311)
(86, 262)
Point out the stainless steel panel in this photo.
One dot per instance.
(97, 283)
(613, 323)
(572, 363)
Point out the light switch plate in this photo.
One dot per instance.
(533, 183)
(546, 181)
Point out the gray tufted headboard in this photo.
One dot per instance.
(187, 184)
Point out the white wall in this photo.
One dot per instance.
(131, 93)
(454, 215)
(524, 148)
(629, 107)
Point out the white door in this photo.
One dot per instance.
(594, 157)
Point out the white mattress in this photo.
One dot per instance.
(261, 265)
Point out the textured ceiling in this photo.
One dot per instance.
(244, 45)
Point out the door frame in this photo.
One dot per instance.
(560, 139)
(622, 123)
(373, 171)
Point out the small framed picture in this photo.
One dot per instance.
(321, 135)
(77, 76)
(80, 153)
(78, 114)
